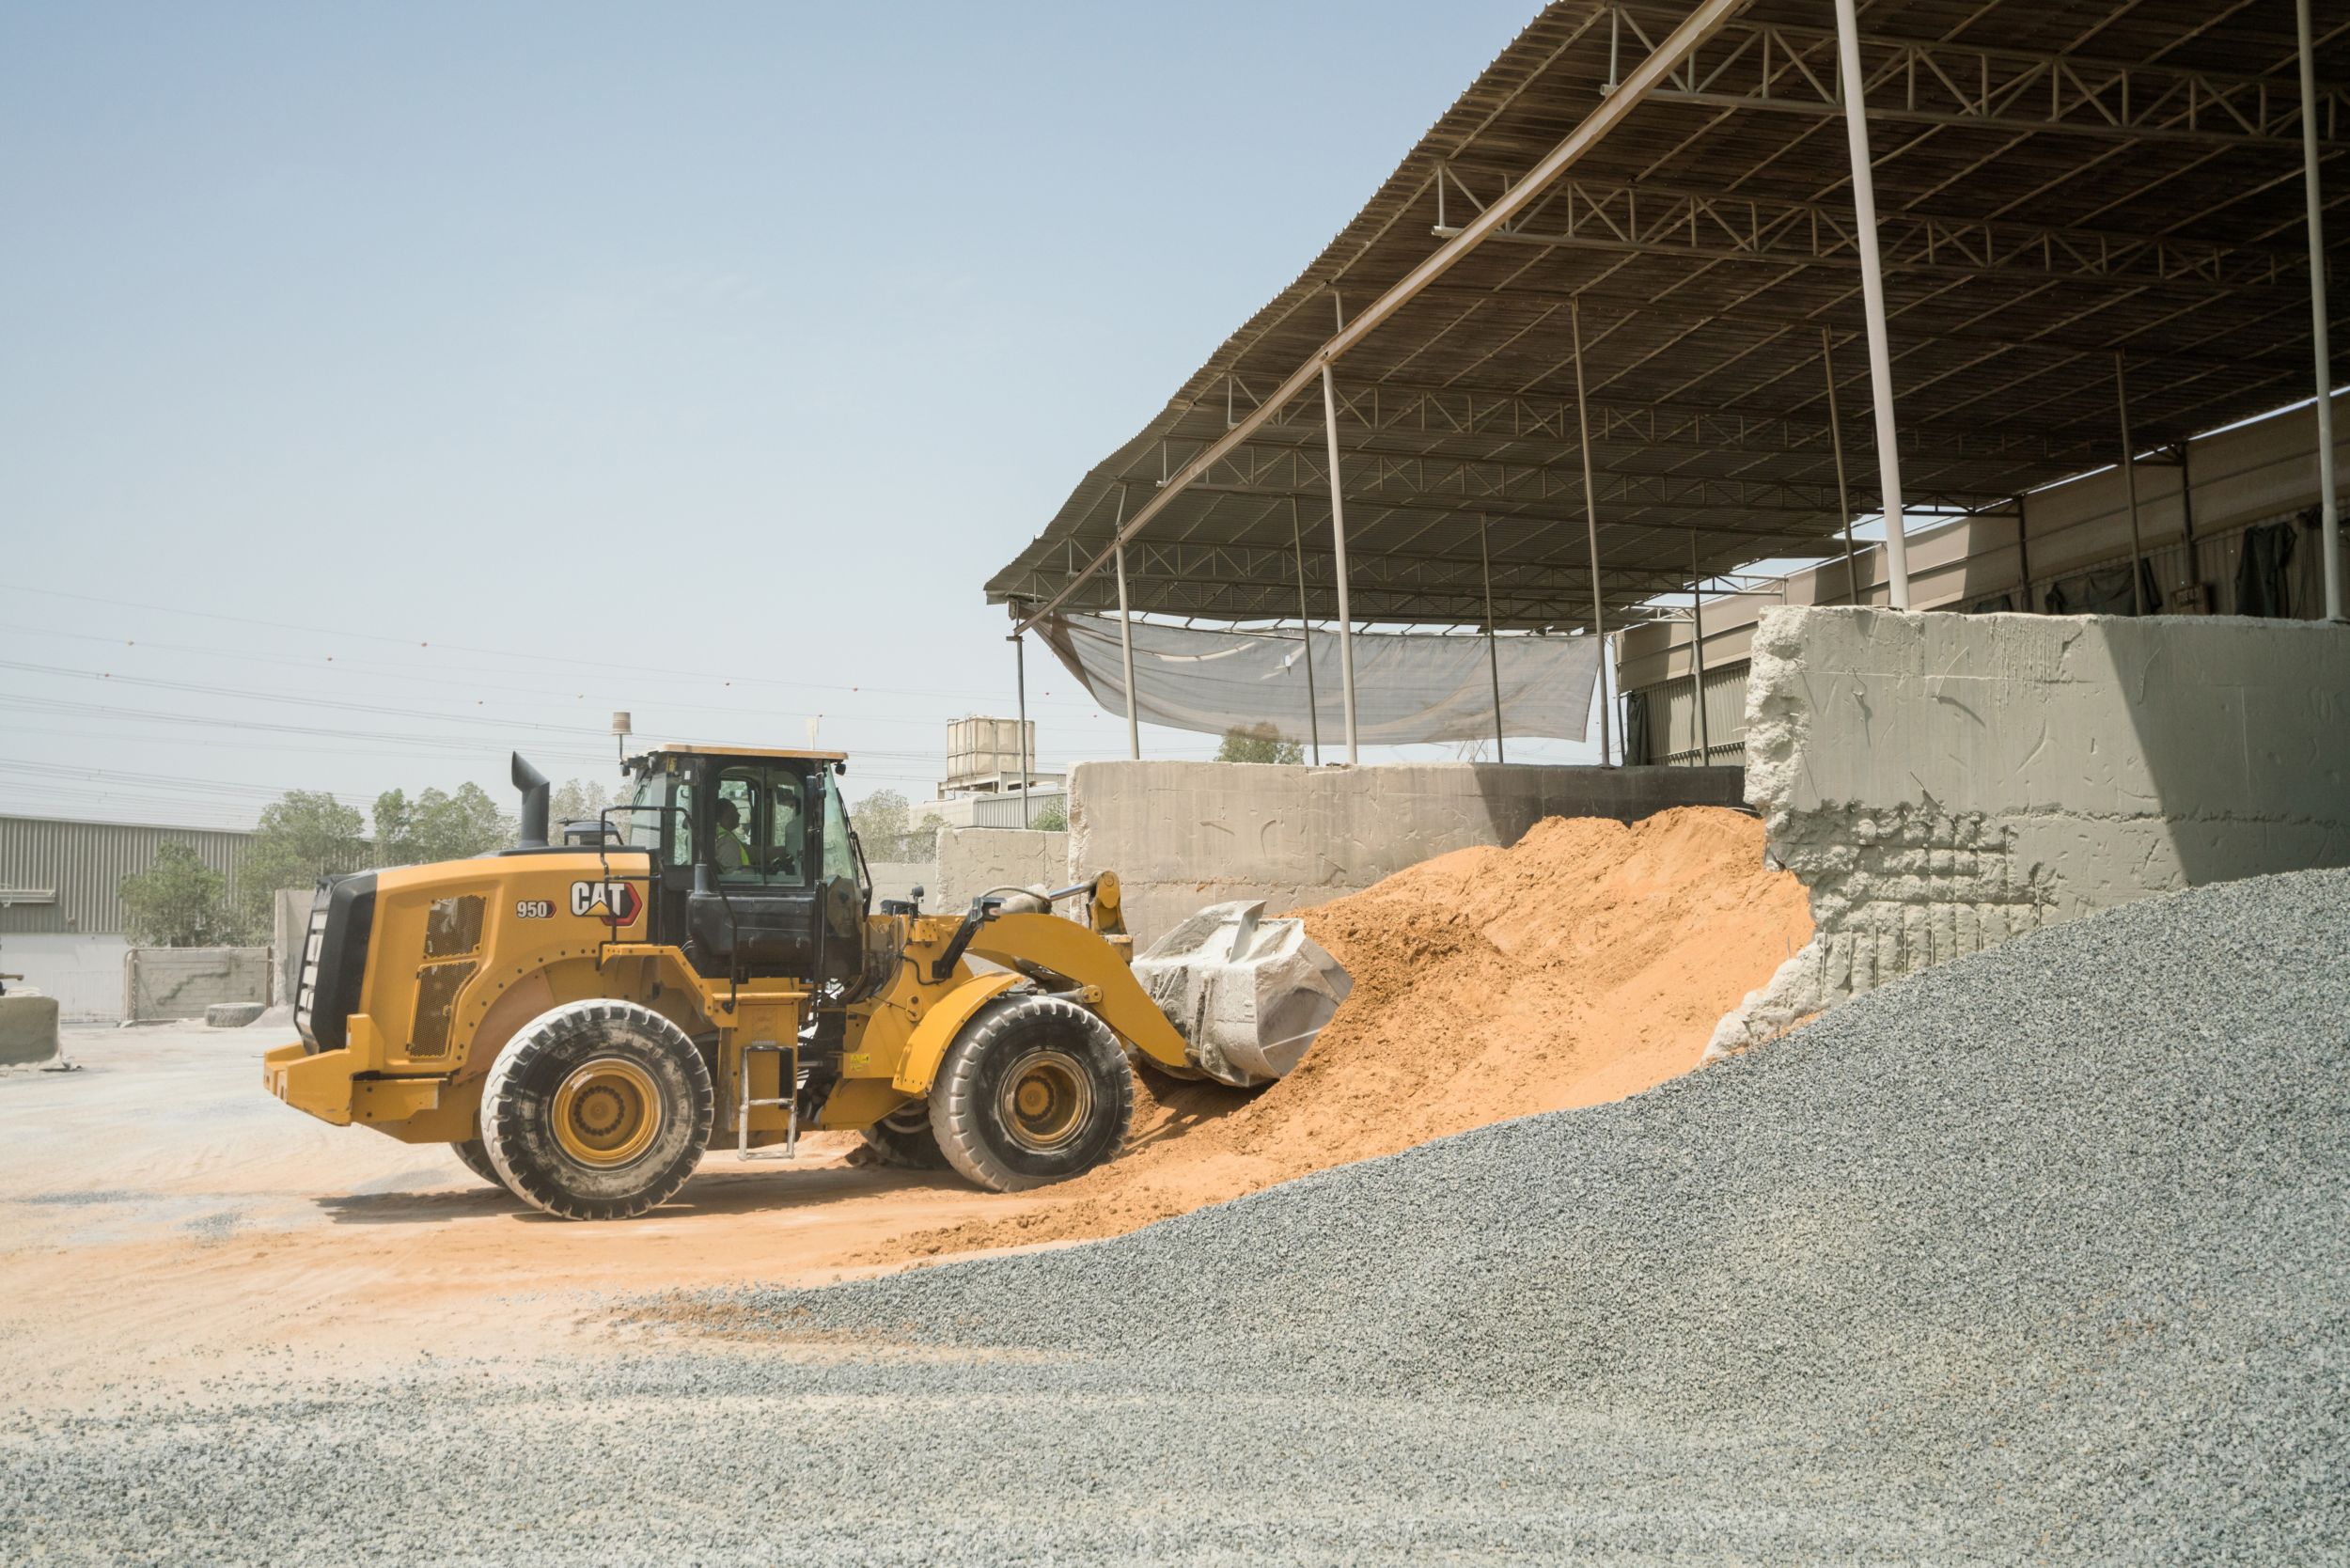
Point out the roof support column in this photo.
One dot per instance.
(1697, 654)
(1836, 444)
(2129, 483)
(1864, 203)
(1127, 642)
(1306, 635)
(2330, 538)
(1020, 682)
(1337, 539)
(1492, 652)
(1591, 519)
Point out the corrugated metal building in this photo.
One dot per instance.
(60, 876)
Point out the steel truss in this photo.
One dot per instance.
(1651, 220)
(1762, 65)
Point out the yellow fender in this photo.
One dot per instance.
(926, 1047)
(1083, 959)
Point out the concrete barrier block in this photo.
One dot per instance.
(28, 1028)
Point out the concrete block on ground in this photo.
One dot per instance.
(2049, 766)
(1182, 836)
(233, 1015)
(180, 982)
(28, 1028)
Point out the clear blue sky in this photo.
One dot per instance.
(616, 352)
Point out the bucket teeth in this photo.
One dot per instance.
(1247, 993)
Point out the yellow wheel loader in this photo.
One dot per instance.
(582, 1019)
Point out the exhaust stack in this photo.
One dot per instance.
(533, 784)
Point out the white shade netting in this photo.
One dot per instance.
(1407, 687)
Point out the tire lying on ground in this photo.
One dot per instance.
(1035, 1089)
(474, 1157)
(597, 1110)
(904, 1139)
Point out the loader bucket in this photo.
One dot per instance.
(1248, 995)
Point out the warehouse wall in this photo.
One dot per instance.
(1183, 835)
(84, 973)
(1941, 783)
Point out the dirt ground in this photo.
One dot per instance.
(164, 1222)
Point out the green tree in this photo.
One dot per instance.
(177, 901)
(578, 801)
(1052, 817)
(1262, 744)
(438, 825)
(301, 837)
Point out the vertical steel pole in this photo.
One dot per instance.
(2329, 541)
(1493, 652)
(2129, 484)
(1021, 683)
(1697, 654)
(1864, 203)
(1836, 444)
(1126, 641)
(1591, 519)
(1338, 536)
(2023, 554)
(1305, 634)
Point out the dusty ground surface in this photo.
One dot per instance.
(161, 1217)
(163, 1220)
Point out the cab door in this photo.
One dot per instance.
(758, 848)
(847, 893)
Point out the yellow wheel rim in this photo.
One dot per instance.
(607, 1113)
(1045, 1100)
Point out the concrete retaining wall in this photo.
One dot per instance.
(180, 982)
(1183, 835)
(971, 860)
(84, 973)
(1941, 783)
(289, 931)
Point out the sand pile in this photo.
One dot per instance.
(1587, 963)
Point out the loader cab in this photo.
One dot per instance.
(755, 872)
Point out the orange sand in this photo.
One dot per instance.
(1587, 963)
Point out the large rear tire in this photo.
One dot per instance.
(904, 1139)
(597, 1110)
(1035, 1089)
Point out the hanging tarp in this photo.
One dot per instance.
(1406, 687)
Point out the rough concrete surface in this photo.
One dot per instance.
(1182, 835)
(2038, 1257)
(289, 933)
(28, 1028)
(971, 860)
(1943, 783)
(180, 982)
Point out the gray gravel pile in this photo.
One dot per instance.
(2039, 1257)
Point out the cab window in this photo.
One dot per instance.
(840, 859)
(759, 830)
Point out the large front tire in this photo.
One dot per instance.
(597, 1110)
(1035, 1089)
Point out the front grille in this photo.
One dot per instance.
(307, 984)
(335, 960)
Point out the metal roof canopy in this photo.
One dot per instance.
(2056, 183)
